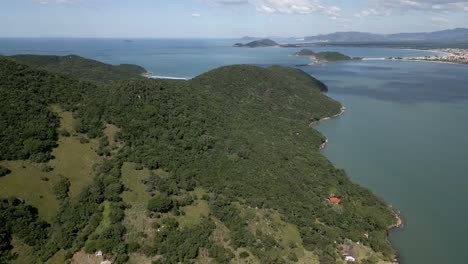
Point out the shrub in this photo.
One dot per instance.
(61, 188)
(160, 203)
(4, 171)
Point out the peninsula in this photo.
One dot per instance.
(321, 57)
(457, 56)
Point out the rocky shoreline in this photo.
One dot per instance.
(324, 143)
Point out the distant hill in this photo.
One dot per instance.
(304, 52)
(326, 56)
(81, 68)
(457, 34)
(257, 44)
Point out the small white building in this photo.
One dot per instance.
(350, 259)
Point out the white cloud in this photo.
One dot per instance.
(196, 15)
(379, 8)
(439, 20)
(384, 7)
(298, 7)
(45, 2)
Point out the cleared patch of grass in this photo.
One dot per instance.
(194, 213)
(27, 181)
(138, 224)
(73, 159)
(136, 258)
(25, 253)
(58, 258)
(135, 189)
(30, 182)
(105, 222)
(81, 257)
(286, 234)
(111, 131)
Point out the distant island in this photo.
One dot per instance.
(257, 44)
(326, 56)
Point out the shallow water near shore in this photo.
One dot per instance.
(403, 134)
(404, 137)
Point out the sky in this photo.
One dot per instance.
(224, 18)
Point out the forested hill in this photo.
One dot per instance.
(257, 44)
(324, 56)
(82, 68)
(221, 167)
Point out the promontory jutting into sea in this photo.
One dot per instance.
(144, 132)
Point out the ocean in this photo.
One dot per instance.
(402, 136)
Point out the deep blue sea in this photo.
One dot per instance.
(403, 134)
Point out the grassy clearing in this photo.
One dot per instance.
(73, 159)
(136, 258)
(58, 258)
(82, 258)
(111, 132)
(133, 180)
(194, 213)
(138, 224)
(24, 252)
(105, 222)
(287, 235)
(30, 182)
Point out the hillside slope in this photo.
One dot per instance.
(232, 170)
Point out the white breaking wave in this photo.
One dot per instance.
(168, 77)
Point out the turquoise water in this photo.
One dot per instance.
(176, 58)
(402, 136)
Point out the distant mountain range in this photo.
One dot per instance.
(457, 34)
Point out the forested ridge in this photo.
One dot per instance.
(241, 133)
(81, 68)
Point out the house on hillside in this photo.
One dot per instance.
(334, 199)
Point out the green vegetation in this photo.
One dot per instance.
(326, 56)
(208, 151)
(257, 44)
(304, 52)
(61, 188)
(81, 68)
(4, 171)
(161, 203)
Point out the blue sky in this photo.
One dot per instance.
(224, 18)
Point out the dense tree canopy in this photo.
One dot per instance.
(240, 132)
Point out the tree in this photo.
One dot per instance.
(160, 203)
(61, 188)
(4, 171)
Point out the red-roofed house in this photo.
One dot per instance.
(334, 199)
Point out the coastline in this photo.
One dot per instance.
(399, 223)
(447, 56)
(325, 142)
(409, 59)
(399, 220)
(150, 75)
